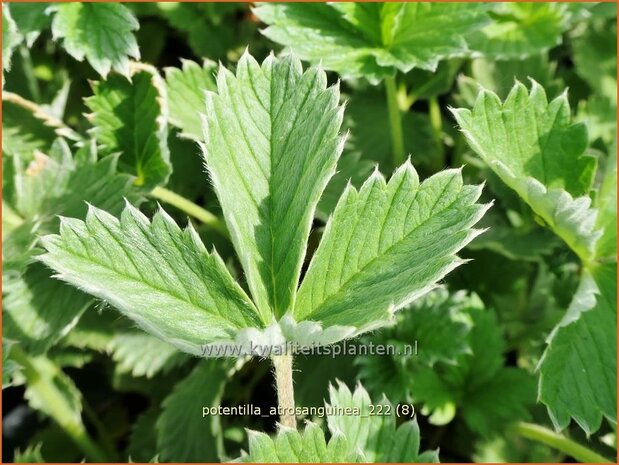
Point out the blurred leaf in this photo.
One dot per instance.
(186, 90)
(31, 19)
(520, 29)
(141, 354)
(130, 117)
(368, 120)
(10, 38)
(183, 434)
(373, 40)
(100, 32)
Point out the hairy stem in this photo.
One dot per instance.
(285, 389)
(395, 121)
(190, 208)
(55, 403)
(558, 441)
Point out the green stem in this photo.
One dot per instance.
(28, 69)
(190, 208)
(395, 121)
(285, 390)
(40, 373)
(558, 441)
(436, 121)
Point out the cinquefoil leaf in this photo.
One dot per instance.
(532, 146)
(186, 90)
(374, 438)
(100, 32)
(578, 372)
(158, 275)
(131, 117)
(373, 40)
(271, 146)
(386, 245)
(520, 30)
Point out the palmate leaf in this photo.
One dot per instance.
(131, 117)
(578, 372)
(532, 146)
(271, 146)
(183, 434)
(129, 264)
(101, 33)
(520, 30)
(187, 88)
(372, 40)
(386, 245)
(269, 169)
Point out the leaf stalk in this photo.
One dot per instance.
(558, 441)
(285, 389)
(186, 205)
(395, 121)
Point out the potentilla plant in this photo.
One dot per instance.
(271, 142)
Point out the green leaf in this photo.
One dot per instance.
(595, 57)
(578, 372)
(488, 394)
(100, 32)
(143, 440)
(10, 38)
(183, 434)
(606, 202)
(186, 88)
(128, 263)
(141, 354)
(131, 117)
(59, 184)
(32, 454)
(27, 127)
(550, 170)
(37, 310)
(374, 437)
(31, 19)
(290, 446)
(373, 40)
(386, 245)
(51, 391)
(271, 146)
(520, 30)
